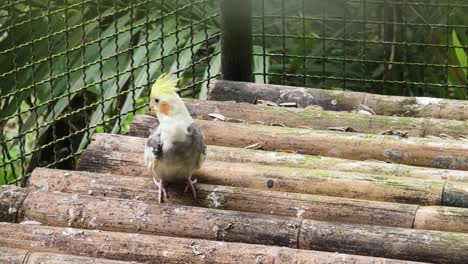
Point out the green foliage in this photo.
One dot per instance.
(73, 69)
(386, 47)
(460, 54)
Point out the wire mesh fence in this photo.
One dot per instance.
(396, 47)
(72, 68)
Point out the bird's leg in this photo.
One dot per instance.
(161, 190)
(191, 184)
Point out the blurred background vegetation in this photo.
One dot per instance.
(399, 47)
(70, 68)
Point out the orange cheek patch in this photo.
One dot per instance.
(164, 108)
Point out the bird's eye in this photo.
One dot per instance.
(156, 100)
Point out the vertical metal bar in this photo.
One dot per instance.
(304, 44)
(283, 23)
(100, 107)
(36, 156)
(192, 53)
(345, 25)
(236, 40)
(405, 41)
(4, 159)
(207, 45)
(425, 63)
(162, 35)
(18, 105)
(176, 17)
(5, 154)
(147, 67)
(322, 30)
(447, 44)
(426, 42)
(68, 78)
(264, 43)
(51, 74)
(364, 41)
(384, 40)
(117, 66)
(83, 62)
(132, 56)
(15, 83)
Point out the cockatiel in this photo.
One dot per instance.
(177, 148)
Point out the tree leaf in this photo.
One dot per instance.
(185, 57)
(109, 89)
(460, 54)
(147, 72)
(259, 65)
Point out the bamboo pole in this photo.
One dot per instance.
(323, 236)
(455, 194)
(229, 198)
(300, 180)
(438, 217)
(110, 214)
(323, 120)
(119, 151)
(20, 256)
(339, 100)
(303, 206)
(331, 183)
(12, 255)
(10, 202)
(161, 249)
(447, 154)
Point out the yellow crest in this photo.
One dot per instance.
(164, 85)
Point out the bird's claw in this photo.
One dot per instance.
(191, 185)
(161, 190)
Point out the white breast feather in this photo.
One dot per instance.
(171, 132)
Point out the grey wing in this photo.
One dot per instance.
(198, 143)
(153, 149)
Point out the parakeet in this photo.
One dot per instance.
(177, 148)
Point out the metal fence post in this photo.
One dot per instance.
(236, 40)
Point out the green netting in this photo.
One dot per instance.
(406, 47)
(72, 68)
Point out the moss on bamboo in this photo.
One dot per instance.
(340, 100)
(410, 151)
(319, 119)
(129, 151)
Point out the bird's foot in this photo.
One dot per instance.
(191, 185)
(161, 190)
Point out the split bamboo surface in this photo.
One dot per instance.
(10, 202)
(299, 180)
(110, 214)
(221, 90)
(302, 206)
(20, 256)
(128, 151)
(323, 120)
(262, 205)
(162, 249)
(429, 152)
